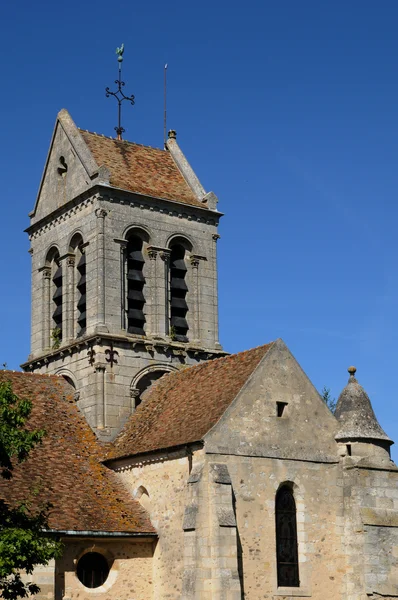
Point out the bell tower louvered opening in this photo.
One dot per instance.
(57, 299)
(178, 291)
(135, 287)
(81, 289)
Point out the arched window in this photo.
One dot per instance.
(145, 383)
(286, 538)
(56, 312)
(178, 291)
(135, 286)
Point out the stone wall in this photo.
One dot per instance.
(216, 522)
(371, 531)
(130, 574)
(160, 484)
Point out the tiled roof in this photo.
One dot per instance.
(183, 406)
(65, 469)
(140, 169)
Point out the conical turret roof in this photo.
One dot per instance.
(355, 414)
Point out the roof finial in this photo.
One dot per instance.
(352, 371)
(119, 94)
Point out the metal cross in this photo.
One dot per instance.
(119, 94)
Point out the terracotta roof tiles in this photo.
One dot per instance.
(66, 469)
(183, 406)
(141, 169)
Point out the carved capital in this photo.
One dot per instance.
(98, 367)
(165, 255)
(134, 393)
(76, 396)
(100, 213)
(70, 261)
(46, 273)
(152, 254)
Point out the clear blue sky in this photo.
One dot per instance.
(287, 111)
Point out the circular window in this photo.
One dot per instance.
(92, 569)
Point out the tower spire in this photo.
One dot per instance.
(119, 95)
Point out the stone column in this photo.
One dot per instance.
(216, 237)
(68, 299)
(194, 313)
(151, 299)
(101, 399)
(46, 300)
(164, 294)
(100, 213)
(134, 393)
(123, 283)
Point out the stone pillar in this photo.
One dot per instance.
(123, 283)
(216, 237)
(164, 294)
(100, 213)
(134, 393)
(194, 313)
(101, 398)
(151, 300)
(46, 300)
(68, 299)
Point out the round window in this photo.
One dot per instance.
(92, 569)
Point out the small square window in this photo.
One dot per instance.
(280, 407)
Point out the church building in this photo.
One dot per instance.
(176, 471)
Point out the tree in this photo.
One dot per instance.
(24, 542)
(328, 400)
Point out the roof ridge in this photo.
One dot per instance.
(183, 385)
(191, 368)
(108, 137)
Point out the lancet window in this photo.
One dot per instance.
(286, 538)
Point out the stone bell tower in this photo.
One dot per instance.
(124, 275)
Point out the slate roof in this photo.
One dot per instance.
(65, 469)
(141, 169)
(355, 414)
(183, 406)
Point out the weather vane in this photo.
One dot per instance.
(119, 93)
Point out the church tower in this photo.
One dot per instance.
(124, 275)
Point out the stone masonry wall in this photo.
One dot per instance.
(130, 574)
(160, 484)
(371, 531)
(195, 527)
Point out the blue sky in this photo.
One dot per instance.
(286, 110)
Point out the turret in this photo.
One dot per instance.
(360, 431)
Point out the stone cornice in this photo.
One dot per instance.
(123, 197)
(127, 463)
(136, 343)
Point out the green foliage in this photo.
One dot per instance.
(56, 337)
(172, 332)
(328, 400)
(15, 440)
(23, 541)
